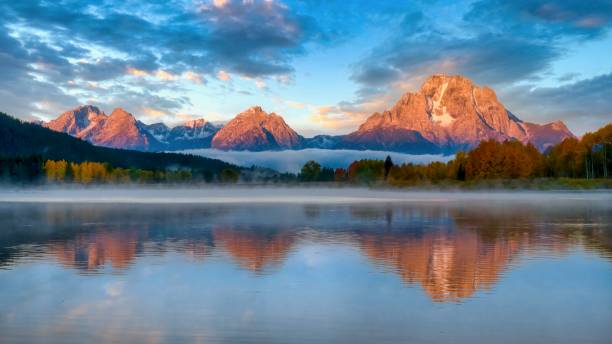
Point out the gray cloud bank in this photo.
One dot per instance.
(54, 54)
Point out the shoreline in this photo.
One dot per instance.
(236, 194)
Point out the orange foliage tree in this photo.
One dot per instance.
(506, 160)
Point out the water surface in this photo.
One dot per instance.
(427, 269)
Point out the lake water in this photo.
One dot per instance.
(329, 267)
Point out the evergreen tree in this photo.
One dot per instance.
(388, 166)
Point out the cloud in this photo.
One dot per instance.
(337, 118)
(260, 83)
(154, 113)
(163, 75)
(26, 88)
(292, 161)
(346, 116)
(55, 55)
(545, 18)
(69, 45)
(484, 55)
(220, 3)
(295, 104)
(194, 77)
(568, 77)
(139, 101)
(224, 76)
(184, 117)
(137, 72)
(166, 76)
(583, 104)
(256, 38)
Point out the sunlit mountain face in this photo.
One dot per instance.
(452, 252)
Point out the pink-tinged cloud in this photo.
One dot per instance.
(193, 77)
(220, 3)
(137, 72)
(163, 75)
(223, 75)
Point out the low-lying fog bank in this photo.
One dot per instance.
(293, 160)
(245, 194)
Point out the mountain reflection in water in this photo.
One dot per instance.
(451, 251)
(437, 270)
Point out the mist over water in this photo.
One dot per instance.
(304, 265)
(236, 194)
(293, 160)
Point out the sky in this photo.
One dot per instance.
(324, 65)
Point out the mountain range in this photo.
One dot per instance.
(447, 114)
(120, 129)
(21, 139)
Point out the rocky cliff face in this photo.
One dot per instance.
(453, 113)
(256, 130)
(119, 130)
(544, 136)
(160, 131)
(192, 130)
(80, 122)
(122, 130)
(191, 134)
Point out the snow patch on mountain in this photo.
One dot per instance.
(439, 113)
